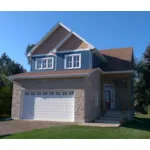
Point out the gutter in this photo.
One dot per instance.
(48, 76)
(11, 78)
(100, 56)
(115, 72)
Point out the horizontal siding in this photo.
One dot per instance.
(86, 60)
(95, 61)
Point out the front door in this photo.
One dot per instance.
(109, 97)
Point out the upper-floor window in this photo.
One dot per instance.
(45, 63)
(72, 61)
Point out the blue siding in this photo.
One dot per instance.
(33, 60)
(86, 60)
(95, 61)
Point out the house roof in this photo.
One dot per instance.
(118, 59)
(61, 40)
(62, 74)
(52, 74)
(120, 53)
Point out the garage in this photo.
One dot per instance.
(48, 105)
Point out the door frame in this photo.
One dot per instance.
(111, 88)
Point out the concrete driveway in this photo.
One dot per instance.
(16, 126)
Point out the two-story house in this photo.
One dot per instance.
(71, 80)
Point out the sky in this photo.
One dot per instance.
(104, 30)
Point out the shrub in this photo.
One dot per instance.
(5, 101)
(142, 107)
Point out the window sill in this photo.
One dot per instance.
(44, 69)
(72, 68)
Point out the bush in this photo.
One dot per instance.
(5, 101)
(142, 107)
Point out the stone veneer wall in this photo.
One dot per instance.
(16, 102)
(79, 105)
(74, 83)
(92, 86)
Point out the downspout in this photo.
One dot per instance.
(55, 62)
(90, 60)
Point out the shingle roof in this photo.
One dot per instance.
(119, 59)
(52, 73)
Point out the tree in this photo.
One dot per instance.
(142, 82)
(29, 47)
(147, 52)
(8, 67)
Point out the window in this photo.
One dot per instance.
(50, 63)
(27, 93)
(51, 93)
(73, 61)
(38, 93)
(64, 93)
(57, 93)
(45, 93)
(69, 62)
(39, 64)
(45, 63)
(32, 93)
(71, 93)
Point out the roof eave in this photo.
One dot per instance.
(119, 72)
(47, 76)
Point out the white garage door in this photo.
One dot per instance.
(49, 105)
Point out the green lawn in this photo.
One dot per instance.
(139, 128)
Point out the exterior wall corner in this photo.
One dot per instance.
(16, 102)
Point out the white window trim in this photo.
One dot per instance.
(52, 58)
(72, 55)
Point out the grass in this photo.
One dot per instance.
(139, 128)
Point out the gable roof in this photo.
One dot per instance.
(62, 41)
(118, 59)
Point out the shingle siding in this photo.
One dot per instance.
(73, 43)
(51, 42)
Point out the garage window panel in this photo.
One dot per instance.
(38, 93)
(26, 93)
(64, 93)
(71, 93)
(32, 93)
(51, 93)
(45, 93)
(58, 93)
